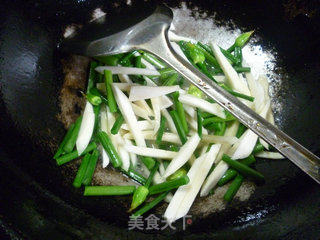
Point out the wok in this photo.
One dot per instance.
(38, 202)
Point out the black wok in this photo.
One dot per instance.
(37, 202)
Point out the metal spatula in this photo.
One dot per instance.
(151, 34)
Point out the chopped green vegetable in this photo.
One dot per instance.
(177, 174)
(241, 40)
(93, 99)
(171, 80)
(92, 76)
(231, 173)
(229, 56)
(193, 90)
(153, 60)
(117, 124)
(149, 162)
(233, 188)
(258, 148)
(90, 168)
(243, 169)
(161, 130)
(111, 100)
(168, 185)
(108, 190)
(238, 55)
(109, 148)
(139, 196)
(151, 175)
(215, 119)
(200, 122)
(134, 175)
(126, 60)
(74, 154)
(96, 92)
(179, 127)
(65, 139)
(69, 145)
(82, 170)
(111, 60)
(150, 205)
(241, 129)
(236, 68)
(180, 110)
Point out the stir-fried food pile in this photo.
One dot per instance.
(143, 119)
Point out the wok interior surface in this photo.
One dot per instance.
(38, 202)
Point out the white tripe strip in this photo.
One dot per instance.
(86, 128)
(133, 157)
(194, 125)
(204, 105)
(127, 70)
(222, 167)
(165, 101)
(186, 194)
(140, 112)
(147, 92)
(219, 139)
(169, 121)
(183, 156)
(149, 135)
(129, 116)
(104, 127)
(143, 125)
(143, 104)
(151, 152)
(155, 102)
(270, 155)
(232, 76)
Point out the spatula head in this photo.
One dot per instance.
(118, 33)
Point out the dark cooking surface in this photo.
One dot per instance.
(35, 201)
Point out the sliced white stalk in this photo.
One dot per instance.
(222, 167)
(122, 86)
(155, 102)
(86, 128)
(129, 116)
(270, 116)
(204, 105)
(147, 92)
(124, 155)
(151, 152)
(213, 178)
(185, 195)
(246, 143)
(256, 91)
(165, 101)
(105, 157)
(269, 155)
(143, 104)
(183, 156)
(176, 38)
(149, 135)
(190, 111)
(104, 127)
(125, 87)
(143, 125)
(169, 121)
(124, 78)
(140, 112)
(161, 167)
(264, 143)
(127, 70)
(232, 76)
(194, 125)
(133, 157)
(219, 139)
